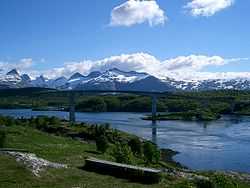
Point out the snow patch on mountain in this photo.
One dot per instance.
(115, 79)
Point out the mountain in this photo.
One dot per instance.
(76, 76)
(13, 72)
(11, 80)
(40, 81)
(115, 79)
(57, 83)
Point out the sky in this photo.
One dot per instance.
(181, 39)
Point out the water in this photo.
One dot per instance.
(219, 145)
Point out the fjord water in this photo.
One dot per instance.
(218, 145)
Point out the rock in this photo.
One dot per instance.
(34, 163)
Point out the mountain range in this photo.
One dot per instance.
(115, 79)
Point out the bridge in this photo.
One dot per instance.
(153, 94)
(72, 95)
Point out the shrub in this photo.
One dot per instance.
(203, 183)
(151, 152)
(54, 121)
(123, 154)
(7, 121)
(102, 143)
(93, 104)
(136, 146)
(222, 181)
(101, 130)
(2, 138)
(40, 122)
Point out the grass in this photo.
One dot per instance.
(56, 149)
(71, 152)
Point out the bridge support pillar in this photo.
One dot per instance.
(154, 108)
(72, 117)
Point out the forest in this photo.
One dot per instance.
(205, 105)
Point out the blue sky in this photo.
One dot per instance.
(53, 34)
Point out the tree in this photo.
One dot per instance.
(2, 137)
(102, 143)
(113, 104)
(54, 121)
(123, 154)
(151, 152)
(136, 146)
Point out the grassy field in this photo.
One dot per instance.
(55, 149)
(71, 152)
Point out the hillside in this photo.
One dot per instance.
(72, 152)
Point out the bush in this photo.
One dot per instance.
(136, 146)
(2, 138)
(102, 143)
(7, 121)
(54, 121)
(202, 183)
(222, 181)
(123, 154)
(93, 104)
(151, 152)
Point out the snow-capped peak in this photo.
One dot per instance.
(77, 75)
(40, 81)
(13, 72)
(115, 79)
(121, 76)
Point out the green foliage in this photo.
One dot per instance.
(181, 105)
(93, 104)
(123, 154)
(47, 124)
(221, 181)
(197, 115)
(183, 184)
(142, 104)
(151, 152)
(113, 104)
(206, 115)
(2, 137)
(220, 107)
(7, 121)
(202, 183)
(62, 149)
(54, 121)
(136, 146)
(102, 143)
(216, 102)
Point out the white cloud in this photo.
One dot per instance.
(193, 62)
(207, 7)
(23, 65)
(140, 62)
(190, 67)
(181, 68)
(211, 75)
(136, 12)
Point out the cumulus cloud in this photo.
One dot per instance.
(207, 7)
(211, 75)
(136, 12)
(140, 62)
(23, 64)
(193, 62)
(181, 68)
(190, 67)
